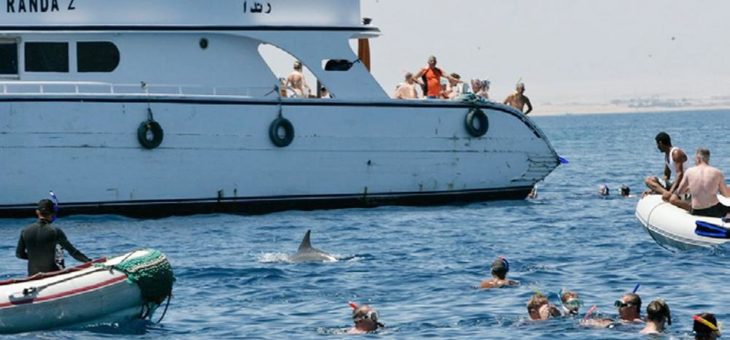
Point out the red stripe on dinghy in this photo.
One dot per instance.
(67, 293)
(51, 274)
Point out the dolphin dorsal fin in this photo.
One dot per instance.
(306, 244)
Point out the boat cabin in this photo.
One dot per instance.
(187, 48)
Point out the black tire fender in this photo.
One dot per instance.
(157, 134)
(284, 124)
(476, 122)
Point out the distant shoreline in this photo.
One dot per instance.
(588, 109)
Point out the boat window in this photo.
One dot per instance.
(46, 57)
(280, 63)
(96, 56)
(337, 65)
(8, 57)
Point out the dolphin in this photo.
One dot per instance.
(307, 253)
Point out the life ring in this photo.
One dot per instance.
(476, 122)
(277, 125)
(146, 127)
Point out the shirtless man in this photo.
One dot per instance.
(407, 89)
(674, 159)
(432, 78)
(297, 82)
(703, 182)
(500, 267)
(629, 308)
(518, 100)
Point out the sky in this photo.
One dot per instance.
(572, 55)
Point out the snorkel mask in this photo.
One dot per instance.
(359, 316)
(572, 304)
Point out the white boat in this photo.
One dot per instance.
(152, 108)
(675, 228)
(106, 291)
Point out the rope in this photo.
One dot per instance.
(169, 297)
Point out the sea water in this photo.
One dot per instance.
(419, 266)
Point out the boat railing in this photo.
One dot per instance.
(97, 88)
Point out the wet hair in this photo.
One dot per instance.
(500, 267)
(634, 300)
(658, 311)
(536, 301)
(45, 207)
(664, 138)
(297, 65)
(567, 295)
(625, 191)
(704, 154)
(700, 329)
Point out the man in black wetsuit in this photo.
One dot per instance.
(38, 241)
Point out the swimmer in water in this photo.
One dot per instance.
(365, 319)
(657, 314)
(570, 302)
(705, 326)
(629, 308)
(603, 190)
(625, 191)
(500, 268)
(539, 308)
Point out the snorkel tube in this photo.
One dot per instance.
(638, 284)
(506, 263)
(55, 205)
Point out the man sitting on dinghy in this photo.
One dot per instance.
(703, 182)
(674, 159)
(38, 241)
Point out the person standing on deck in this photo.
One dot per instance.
(518, 100)
(407, 89)
(297, 83)
(431, 79)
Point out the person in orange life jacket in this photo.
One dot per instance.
(430, 79)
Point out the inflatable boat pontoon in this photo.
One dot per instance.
(112, 290)
(675, 227)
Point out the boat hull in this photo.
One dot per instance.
(673, 227)
(218, 155)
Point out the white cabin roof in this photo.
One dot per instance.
(53, 14)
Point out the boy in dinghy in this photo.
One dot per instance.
(38, 241)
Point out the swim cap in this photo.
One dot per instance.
(500, 267)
